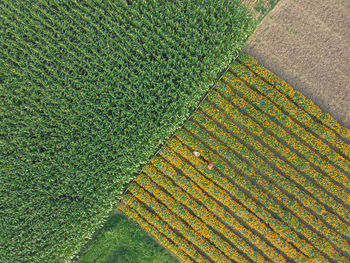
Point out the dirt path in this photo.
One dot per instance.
(307, 43)
(278, 190)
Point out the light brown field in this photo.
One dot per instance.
(307, 43)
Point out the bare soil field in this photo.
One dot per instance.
(307, 43)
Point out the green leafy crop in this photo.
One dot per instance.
(89, 90)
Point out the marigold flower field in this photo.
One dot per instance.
(279, 190)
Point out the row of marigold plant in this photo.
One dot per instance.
(199, 215)
(214, 204)
(164, 227)
(175, 215)
(286, 182)
(138, 216)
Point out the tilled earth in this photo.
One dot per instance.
(307, 43)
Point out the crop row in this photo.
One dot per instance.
(226, 191)
(329, 128)
(279, 157)
(273, 112)
(256, 168)
(279, 189)
(175, 215)
(258, 124)
(207, 206)
(76, 77)
(178, 155)
(232, 223)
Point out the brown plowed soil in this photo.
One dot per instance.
(307, 43)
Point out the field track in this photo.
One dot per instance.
(279, 190)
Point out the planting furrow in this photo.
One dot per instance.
(192, 231)
(257, 174)
(164, 228)
(256, 203)
(186, 189)
(247, 178)
(326, 159)
(182, 154)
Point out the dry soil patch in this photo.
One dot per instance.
(307, 43)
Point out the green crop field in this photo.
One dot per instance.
(122, 241)
(89, 90)
(279, 190)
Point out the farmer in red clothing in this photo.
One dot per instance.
(210, 164)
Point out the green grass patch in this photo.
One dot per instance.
(263, 7)
(89, 90)
(122, 241)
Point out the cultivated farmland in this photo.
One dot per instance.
(89, 90)
(280, 187)
(307, 43)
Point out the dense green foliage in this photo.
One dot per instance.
(121, 241)
(88, 91)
